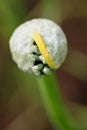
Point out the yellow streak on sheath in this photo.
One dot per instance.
(43, 50)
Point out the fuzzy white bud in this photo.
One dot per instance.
(25, 51)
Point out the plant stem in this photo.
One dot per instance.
(54, 106)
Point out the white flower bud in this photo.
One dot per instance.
(38, 46)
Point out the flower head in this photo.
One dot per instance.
(38, 46)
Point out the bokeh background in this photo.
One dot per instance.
(21, 107)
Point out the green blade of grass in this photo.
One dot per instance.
(13, 13)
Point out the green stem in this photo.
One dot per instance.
(53, 103)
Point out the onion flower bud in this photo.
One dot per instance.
(38, 46)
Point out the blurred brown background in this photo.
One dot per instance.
(20, 105)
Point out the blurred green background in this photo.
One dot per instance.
(20, 105)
